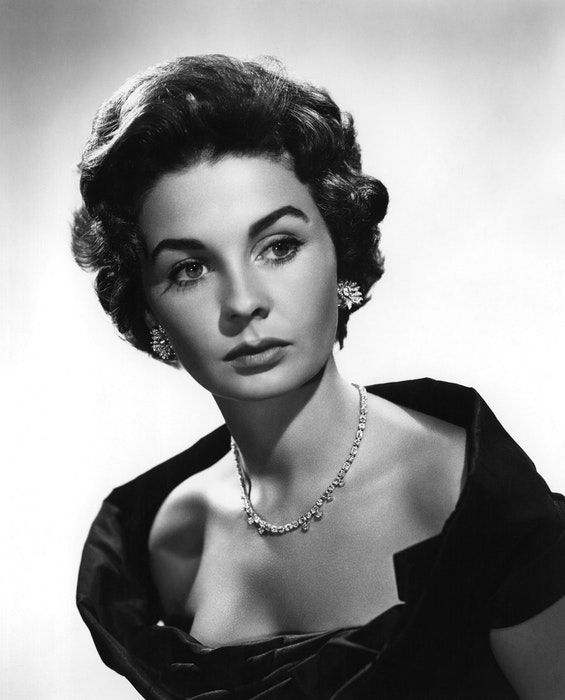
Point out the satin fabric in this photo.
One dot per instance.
(499, 560)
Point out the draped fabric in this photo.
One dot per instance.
(499, 560)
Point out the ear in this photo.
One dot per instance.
(150, 320)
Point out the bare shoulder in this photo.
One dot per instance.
(428, 456)
(176, 537)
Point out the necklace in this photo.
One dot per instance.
(315, 512)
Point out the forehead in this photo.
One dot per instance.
(212, 196)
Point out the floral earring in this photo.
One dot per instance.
(161, 345)
(348, 294)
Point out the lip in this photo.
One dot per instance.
(265, 351)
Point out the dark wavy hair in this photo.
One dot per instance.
(204, 107)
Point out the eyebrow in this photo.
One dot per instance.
(254, 230)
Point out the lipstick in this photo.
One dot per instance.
(263, 354)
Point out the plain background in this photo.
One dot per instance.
(460, 111)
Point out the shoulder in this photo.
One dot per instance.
(425, 455)
(139, 499)
(162, 512)
(153, 506)
(188, 504)
(176, 536)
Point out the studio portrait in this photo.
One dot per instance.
(284, 296)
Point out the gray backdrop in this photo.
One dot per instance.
(460, 109)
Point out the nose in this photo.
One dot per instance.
(244, 297)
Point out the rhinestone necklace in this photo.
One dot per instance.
(315, 513)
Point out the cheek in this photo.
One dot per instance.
(190, 328)
(326, 313)
(316, 302)
(197, 349)
(193, 329)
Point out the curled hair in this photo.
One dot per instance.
(196, 107)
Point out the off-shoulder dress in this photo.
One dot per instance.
(498, 560)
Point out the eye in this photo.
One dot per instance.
(188, 272)
(281, 250)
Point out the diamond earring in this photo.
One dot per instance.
(348, 294)
(161, 345)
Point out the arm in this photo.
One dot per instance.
(532, 654)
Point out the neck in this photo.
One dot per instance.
(296, 438)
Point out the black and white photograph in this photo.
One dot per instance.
(283, 309)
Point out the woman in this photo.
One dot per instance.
(234, 234)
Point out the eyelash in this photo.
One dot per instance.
(180, 266)
(289, 240)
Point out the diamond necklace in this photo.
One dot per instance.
(315, 513)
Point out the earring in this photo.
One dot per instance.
(161, 345)
(348, 294)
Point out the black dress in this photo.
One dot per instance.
(499, 560)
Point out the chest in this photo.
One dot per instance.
(338, 574)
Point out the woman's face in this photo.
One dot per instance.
(241, 273)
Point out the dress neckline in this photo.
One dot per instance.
(139, 500)
(407, 562)
(457, 585)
